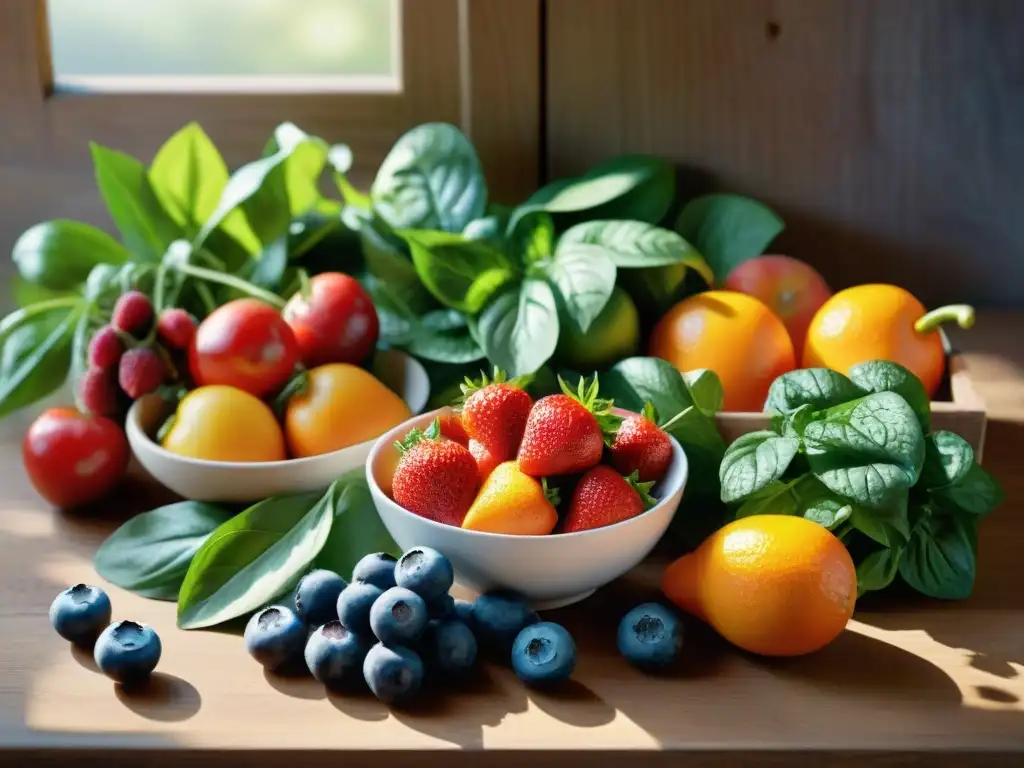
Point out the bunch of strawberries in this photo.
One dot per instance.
(501, 462)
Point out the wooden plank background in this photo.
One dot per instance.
(887, 133)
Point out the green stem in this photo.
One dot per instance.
(962, 314)
(18, 317)
(210, 259)
(305, 289)
(158, 289)
(668, 424)
(206, 296)
(232, 282)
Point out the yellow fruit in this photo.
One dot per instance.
(342, 405)
(776, 585)
(511, 502)
(220, 423)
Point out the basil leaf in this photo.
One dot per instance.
(254, 557)
(267, 269)
(60, 254)
(885, 376)
(531, 238)
(150, 554)
(585, 279)
(869, 450)
(877, 570)
(889, 526)
(388, 259)
(819, 388)
(976, 493)
(487, 229)
(705, 390)
(752, 462)
(444, 337)
(357, 529)
(518, 330)
(35, 357)
(728, 229)
(306, 157)
(146, 228)
(431, 179)
(947, 460)
(940, 560)
(462, 274)
(805, 497)
(638, 244)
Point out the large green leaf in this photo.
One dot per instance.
(877, 570)
(728, 229)
(36, 355)
(585, 279)
(886, 376)
(357, 529)
(532, 239)
(753, 461)
(59, 254)
(976, 493)
(462, 274)
(304, 166)
(940, 560)
(818, 388)
(518, 330)
(443, 336)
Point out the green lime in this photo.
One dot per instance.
(614, 334)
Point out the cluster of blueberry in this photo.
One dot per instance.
(125, 651)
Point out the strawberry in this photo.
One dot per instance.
(435, 478)
(641, 446)
(566, 433)
(494, 413)
(512, 502)
(604, 497)
(485, 460)
(451, 428)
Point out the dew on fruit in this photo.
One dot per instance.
(540, 650)
(128, 634)
(649, 629)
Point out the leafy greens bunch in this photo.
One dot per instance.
(858, 456)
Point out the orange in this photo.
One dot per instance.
(734, 335)
(342, 405)
(881, 322)
(511, 502)
(775, 585)
(221, 423)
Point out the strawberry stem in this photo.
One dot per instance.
(643, 489)
(433, 432)
(586, 395)
(551, 494)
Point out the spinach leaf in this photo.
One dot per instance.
(585, 279)
(443, 336)
(431, 179)
(804, 496)
(728, 229)
(753, 461)
(885, 376)
(531, 238)
(776, 498)
(36, 355)
(889, 525)
(818, 388)
(357, 529)
(877, 570)
(940, 560)
(60, 254)
(462, 274)
(388, 259)
(869, 450)
(254, 557)
(638, 244)
(518, 330)
(706, 390)
(150, 554)
(146, 228)
(947, 460)
(976, 493)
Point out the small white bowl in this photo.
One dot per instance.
(550, 571)
(231, 481)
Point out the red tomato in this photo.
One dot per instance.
(244, 344)
(73, 458)
(337, 324)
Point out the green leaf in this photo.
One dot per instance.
(884, 376)
(889, 526)
(487, 229)
(805, 496)
(518, 330)
(339, 157)
(777, 498)
(869, 450)
(306, 157)
(188, 175)
(146, 228)
(638, 244)
(26, 294)
(254, 557)
(35, 357)
(976, 493)
(819, 388)
(388, 259)
(585, 278)
(59, 254)
(443, 336)
(940, 560)
(150, 554)
(87, 324)
(753, 461)
(431, 179)
(357, 529)
(267, 270)
(462, 274)
(728, 229)
(531, 238)
(706, 390)
(877, 570)
(947, 460)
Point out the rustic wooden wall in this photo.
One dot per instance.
(888, 133)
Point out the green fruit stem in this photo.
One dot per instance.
(201, 273)
(962, 314)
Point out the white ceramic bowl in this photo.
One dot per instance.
(551, 571)
(230, 481)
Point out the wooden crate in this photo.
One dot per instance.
(963, 412)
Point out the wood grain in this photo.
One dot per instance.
(879, 129)
(912, 681)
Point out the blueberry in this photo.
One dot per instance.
(316, 597)
(463, 611)
(440, 607)
(354, 604)
(377, 569)
(334, 655)
(448, 646)
(426, 572)
(127, 652)
(543, 653)
(650, 636)
(398, 617)
(499, 616)
(275, 637)
(394, 673)
(80, 613)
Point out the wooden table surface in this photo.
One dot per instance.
(910, 681)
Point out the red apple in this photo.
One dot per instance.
(792, 289)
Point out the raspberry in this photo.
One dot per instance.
(97, 391)
(133, 313)
(176, 328)
(141, 371)
(105, 348)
